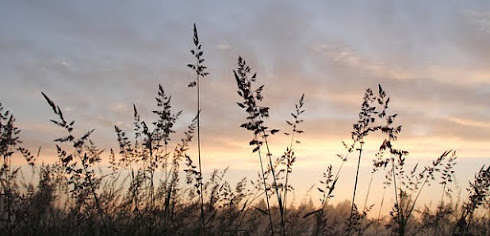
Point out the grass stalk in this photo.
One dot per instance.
(289, 155)
(199, 69)
(397, 204)
(355, 187)
(379, 212)
(85, 160)
(199, 154)
(366, 199)
(278, 194)
(266, 194)
(286, 181)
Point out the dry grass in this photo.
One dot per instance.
(142, 193)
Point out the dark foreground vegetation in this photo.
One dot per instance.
(142, 193)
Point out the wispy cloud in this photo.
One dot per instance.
(481, 19)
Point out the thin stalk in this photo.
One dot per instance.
(151, 186)
(367, 196)
(396, 191)
(269, 156)
(165, 183)
(167, 207)
(165, 156)
(287, 171)
(417, 197)
(355, 187)
(379, 212)
(281, 210)
(199, 152)
(369, 190)
(266, 194)
(325, 200)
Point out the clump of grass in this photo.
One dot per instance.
(79, 164)
(355, 221)
(447, 176)
(149, 153)
(479, 192)
(410, 186)
(434, 222)
(9, 144)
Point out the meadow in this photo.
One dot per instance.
(154, 185)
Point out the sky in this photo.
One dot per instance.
(98, 58)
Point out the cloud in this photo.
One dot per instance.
(470, 122)
(481, 19)
(223, 47)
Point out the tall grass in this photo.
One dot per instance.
(478, 194)
(142, 191)
(9, 143)
(200, 71)
(373, 108)
(81, 175)
(255, 123)
(289, 155)
(251, 97)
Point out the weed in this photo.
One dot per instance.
(200, 70)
